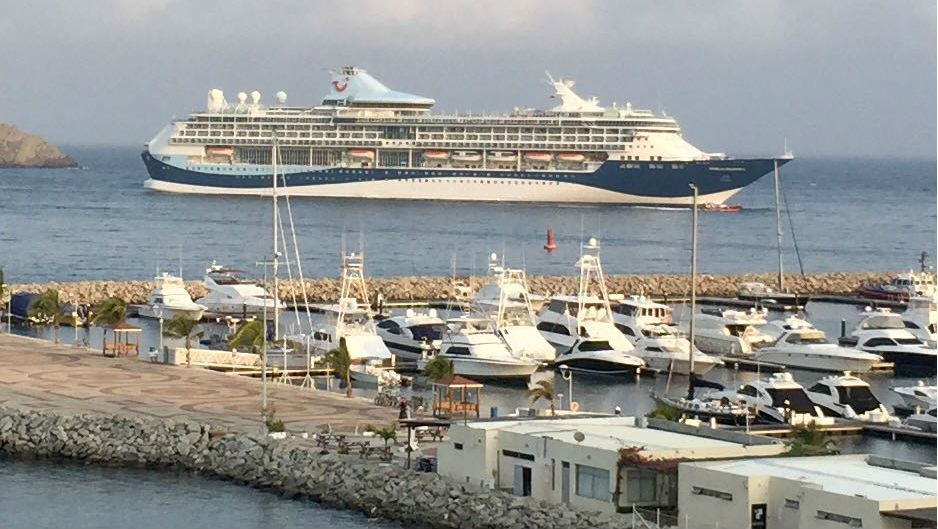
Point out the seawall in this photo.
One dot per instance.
(439, 288)
(293, 467)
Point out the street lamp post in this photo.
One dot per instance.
(567, 375)
(159, 315)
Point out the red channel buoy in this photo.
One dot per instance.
(550, 246)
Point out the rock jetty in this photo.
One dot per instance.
(293, 467)
(19, 149)
(440, 288)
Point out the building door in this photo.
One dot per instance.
(758, 516)
(522, 481)
(565, 482)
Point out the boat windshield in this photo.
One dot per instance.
(907, 341)
(429, 331)
(807, 338)
(860, 398)
(594, 345)
(796, 397)
(229, 278)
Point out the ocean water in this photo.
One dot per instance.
(98, 222)
(58, 493)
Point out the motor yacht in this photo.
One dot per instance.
(884, 333)
(849, 397)
(921, 318)
(170, 298)
(412, 335)
(777, 399)
(926, 421)
(663, 349)
(728, 332)
(506, 300)
(902, 287)
(918, 396)
(478, 352)
(634, 314)
(799, 344)
(595, 356)
(231, 293)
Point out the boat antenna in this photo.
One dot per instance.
(693, 294)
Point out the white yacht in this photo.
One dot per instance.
(921, 318)
(884, 333)
(412, 335)
(920, 395)
(506, 300)
(170, 298)
(566, 319)
(634, 314)
(728, 332)
(351, 322)
(799, 344)
(927, 421)
(595, 356)
(777, 399)
(231, 293)
(478, 352)
(849, 397)
(664, 350)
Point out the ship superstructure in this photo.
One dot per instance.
(367, 140)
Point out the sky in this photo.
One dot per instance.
(853, 78)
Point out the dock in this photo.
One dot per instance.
(844, 427)
(40, 375)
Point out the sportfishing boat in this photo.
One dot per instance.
(367, 140)
(170, 298)
(231, 293)
(566, 319)
(412, 335)
(799, 344)
(776, 399)
(478, 352)
(596, 357)
(849, 397)
(505, 300)
(728, 332)
(350, 323)
(884, 333)
(920, 395)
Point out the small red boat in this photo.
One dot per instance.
(723, 208)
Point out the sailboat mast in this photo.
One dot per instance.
(276, 234)
(778, 230)
(693, 295)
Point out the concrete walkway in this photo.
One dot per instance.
(41, 375)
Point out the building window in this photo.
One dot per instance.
(519, 455)
(700, 491)
(457, 446)
(840, 518)
(792, 504)
(592, 482)
(553, 474)
(641, 486)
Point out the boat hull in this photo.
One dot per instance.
(834, 364)
(167, 313)
(483, 369)
(678, 366)
(613, 182)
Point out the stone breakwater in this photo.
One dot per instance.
(436, 288)
(292, 467)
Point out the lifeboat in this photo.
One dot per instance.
(219, 150)
(436, 155)
(537, 156)
(499, 156)
(361, 154)
(571, 157)
(466, 156)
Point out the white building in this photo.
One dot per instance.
(826, 492)
(593, 463)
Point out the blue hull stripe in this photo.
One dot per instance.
(645, 179)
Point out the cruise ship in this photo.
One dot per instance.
(366, 140)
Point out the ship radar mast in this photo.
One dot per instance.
(569, 100)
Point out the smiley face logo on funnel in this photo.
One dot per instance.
(340, 87)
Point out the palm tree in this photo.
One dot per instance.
(47, 310)
(543, 390)
(339, 361)
(438, 368)
(109, 312)
(250, 336)
(182, 326)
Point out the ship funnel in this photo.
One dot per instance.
(281, 98)
(216, 100)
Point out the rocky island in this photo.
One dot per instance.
(19, 149)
